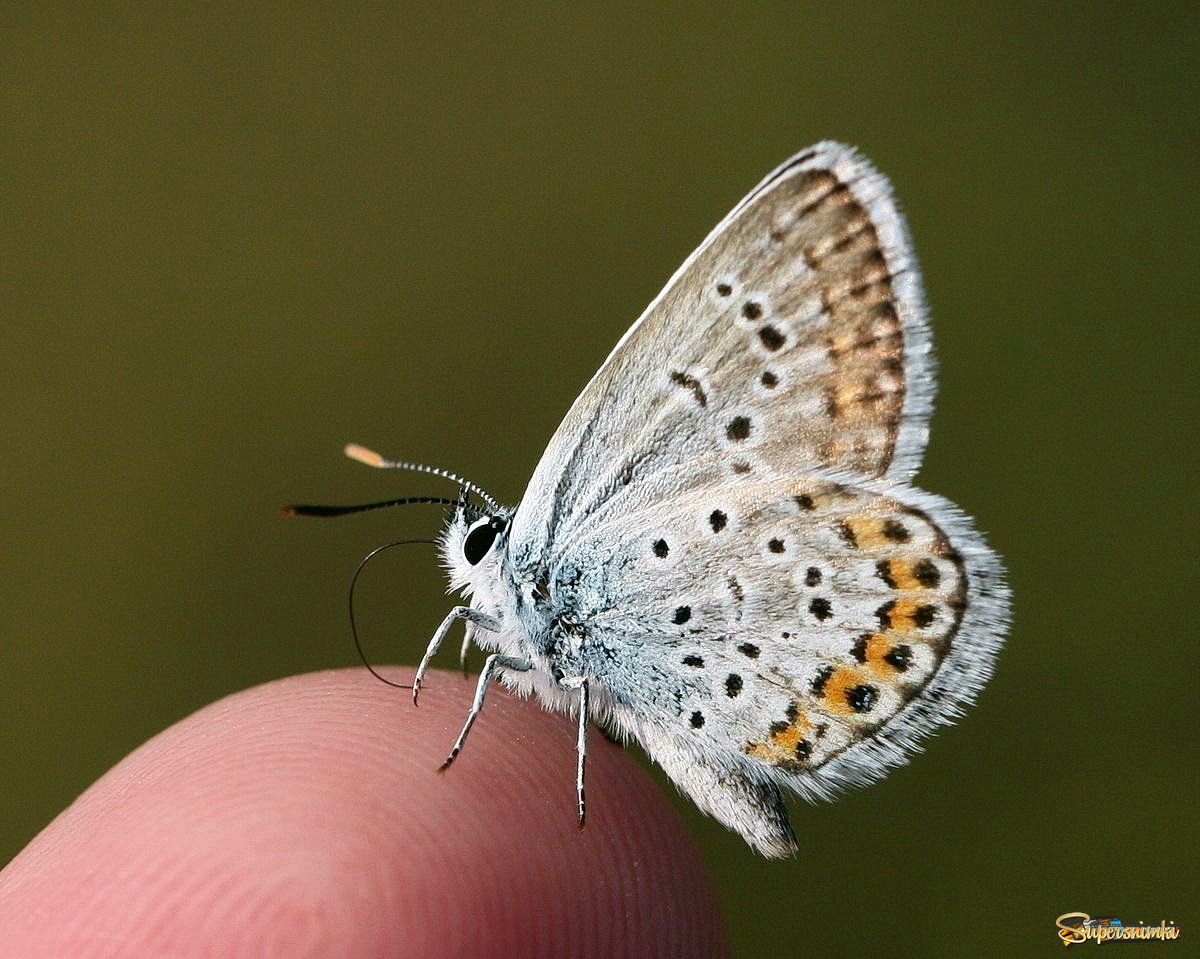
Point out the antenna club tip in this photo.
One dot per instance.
(288, 511)
(364, 455)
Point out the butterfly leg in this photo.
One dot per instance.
(459, 612)
(581, 748)
(491, 664)
(581, 740)
(463, 651)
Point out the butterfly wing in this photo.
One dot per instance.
(793, 338)
(804, 634)
(724, 514)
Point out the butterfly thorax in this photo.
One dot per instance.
(524, 595)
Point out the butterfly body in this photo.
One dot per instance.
(720, 554)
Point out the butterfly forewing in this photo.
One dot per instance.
(794, 338)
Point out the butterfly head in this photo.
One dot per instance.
(474, 541)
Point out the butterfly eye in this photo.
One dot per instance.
(480, 537)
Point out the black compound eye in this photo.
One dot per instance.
(480, 537)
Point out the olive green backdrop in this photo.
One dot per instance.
(235, 239)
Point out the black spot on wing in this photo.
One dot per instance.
(896, 531)
(862, 697)
(821, 608)
(688, 382)
(771, 338)
(738, 428)
(926, 573)
(899, 657)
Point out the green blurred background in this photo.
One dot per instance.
(236, 236)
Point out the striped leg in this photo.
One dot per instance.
(493, 663)
(578, 682)
(459, 612)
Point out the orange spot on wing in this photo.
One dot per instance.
(902, 615)
(840, 682)
(780, 748)
(866, 531)
(902, 575)
(788, 739)
(878, 647)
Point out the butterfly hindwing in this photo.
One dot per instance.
(808, 638)
(750, 805)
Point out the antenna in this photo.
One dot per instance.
(370, 458)
(306, 509)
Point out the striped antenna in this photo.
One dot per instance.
(370, 458)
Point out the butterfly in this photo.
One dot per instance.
(721, 555)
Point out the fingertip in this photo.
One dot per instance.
(308, 813)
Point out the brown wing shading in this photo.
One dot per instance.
(793, 339)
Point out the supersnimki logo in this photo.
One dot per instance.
(1078, 927)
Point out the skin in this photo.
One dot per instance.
(306, 817)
